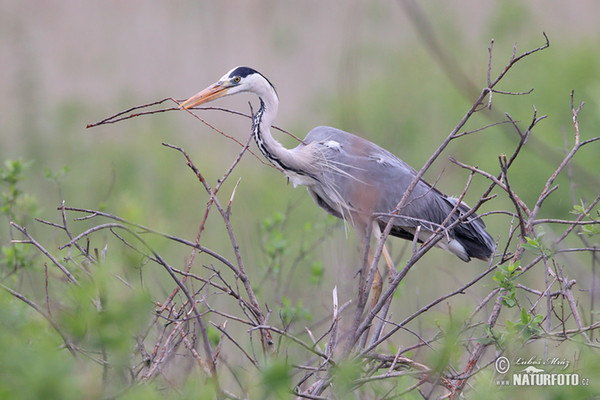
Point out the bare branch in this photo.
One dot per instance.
(41, 248)
(70, 346)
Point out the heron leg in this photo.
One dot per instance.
(386, 254)
(389, 263)
(377, 284)
(376, 287)
(372, 274)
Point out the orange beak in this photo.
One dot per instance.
(211, 93)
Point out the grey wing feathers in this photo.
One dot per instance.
(361, 177)
(473, 236)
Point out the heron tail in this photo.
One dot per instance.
(472, 237)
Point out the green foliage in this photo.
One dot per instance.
(14, 257)
(316, 272)
(285, 257)
(588, 230)
(276, 380)
(292, 312)
(12, 196)
(591, 230)
(274, 240)
(491, 337)
(196, 387)
(106, 317)
(526, 327)
(97, 315)
(214, 336)
(58, 176)
(33, 364)
(537, 245)
(344, 374)
(449, 349)
(505, 276)
(17, 206)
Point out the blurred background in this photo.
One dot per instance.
(399, 73)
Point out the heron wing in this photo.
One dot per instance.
(355, 177)
(370, 179)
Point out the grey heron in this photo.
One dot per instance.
(353, 178)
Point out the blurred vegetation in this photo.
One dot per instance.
(396, 96)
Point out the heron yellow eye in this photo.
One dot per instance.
(237, 79)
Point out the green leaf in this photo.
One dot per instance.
(525, 317)
(538, 319)
(316, 272)
(498, 276)
(591, 230)
(510, 326)
(276, 380)
(509, 301)
(344, 374)
(214, 336)
(578, 209)
(532, 243)
(56, 176)
(14, 257)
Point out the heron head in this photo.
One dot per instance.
(239, 79)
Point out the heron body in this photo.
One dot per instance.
(353, 178)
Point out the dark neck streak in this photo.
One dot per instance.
(258, 138)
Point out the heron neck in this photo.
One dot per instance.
(261, 129)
